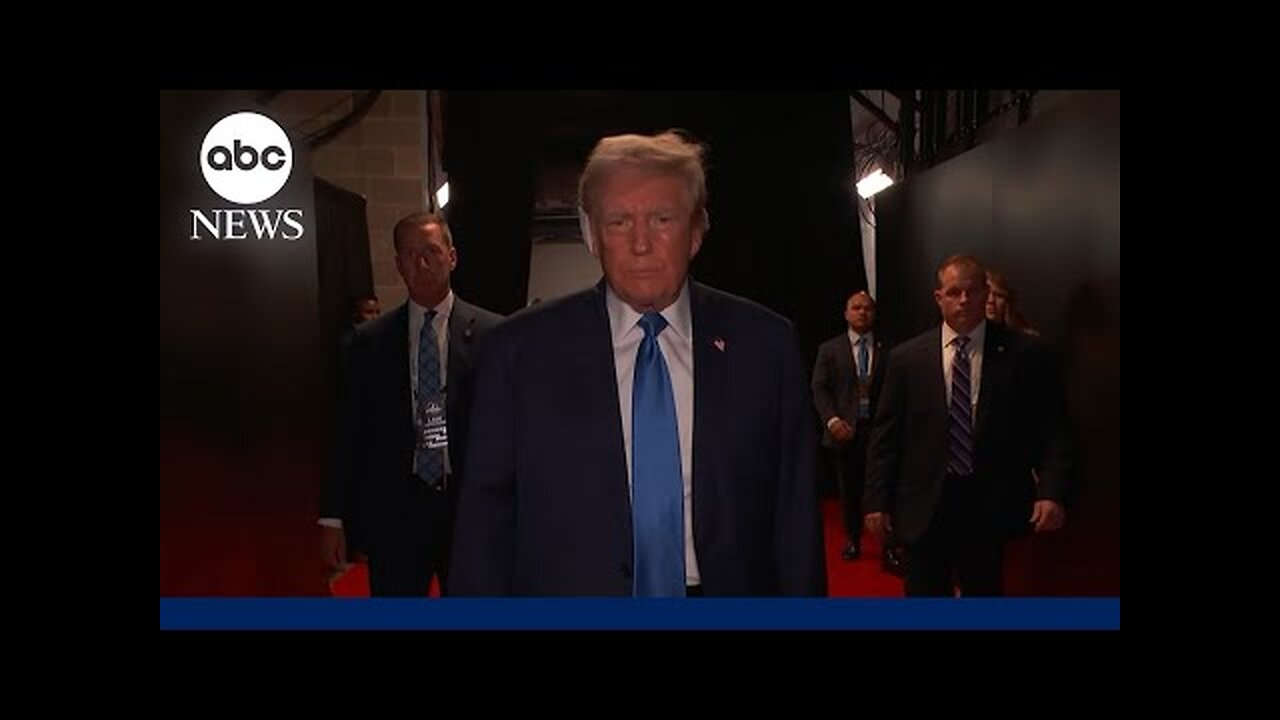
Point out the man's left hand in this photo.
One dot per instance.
(1047, 515)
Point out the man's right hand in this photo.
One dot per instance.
(880, 524)
(841, 430)
(333, 548)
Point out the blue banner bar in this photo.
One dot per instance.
(628, 614)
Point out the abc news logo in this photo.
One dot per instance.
(246, 159)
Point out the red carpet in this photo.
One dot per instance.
(860, 578)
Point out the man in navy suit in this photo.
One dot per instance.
(649, 436)
(402, 437)
(970, 446)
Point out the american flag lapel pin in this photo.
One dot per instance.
(719, 343)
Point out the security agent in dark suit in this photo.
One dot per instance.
(649, 436)
(970, 444)
(402, 435)
(847, 377)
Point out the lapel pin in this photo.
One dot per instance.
(719, 343)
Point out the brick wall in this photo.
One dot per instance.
(382, 158)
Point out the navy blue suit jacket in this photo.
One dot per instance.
(375, 441)
(545, 506)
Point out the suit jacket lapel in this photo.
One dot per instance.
(877, 357)
(936, 382)
(848, 375)
(995, 371)
(460, 321)
(593, 351)
(399, 353)
(713, 350)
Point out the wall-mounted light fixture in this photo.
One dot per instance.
(873, 183)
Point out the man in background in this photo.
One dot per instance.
(847, 377)
(970, 443)
(402, 436)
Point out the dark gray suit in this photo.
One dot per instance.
(962, 524)
(402, 525)
(835, 393)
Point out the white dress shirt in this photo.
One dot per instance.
(676, 342)
(976, 339)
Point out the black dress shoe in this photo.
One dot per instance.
(892, 562)
(851, 552)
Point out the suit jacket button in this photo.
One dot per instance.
(625, 569)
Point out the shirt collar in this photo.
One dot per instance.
(976, 337)
(445, 306)
(623, 317)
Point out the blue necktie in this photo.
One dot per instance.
(960, 460)
(864, 370)
(430, 461)
(657, 489)
(864, 359)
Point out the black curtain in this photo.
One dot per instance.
(490, 154)
(346, 269)
(784, 228)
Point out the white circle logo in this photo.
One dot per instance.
(246, 158)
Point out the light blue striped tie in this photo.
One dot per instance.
(430, 460)
(657, 489)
